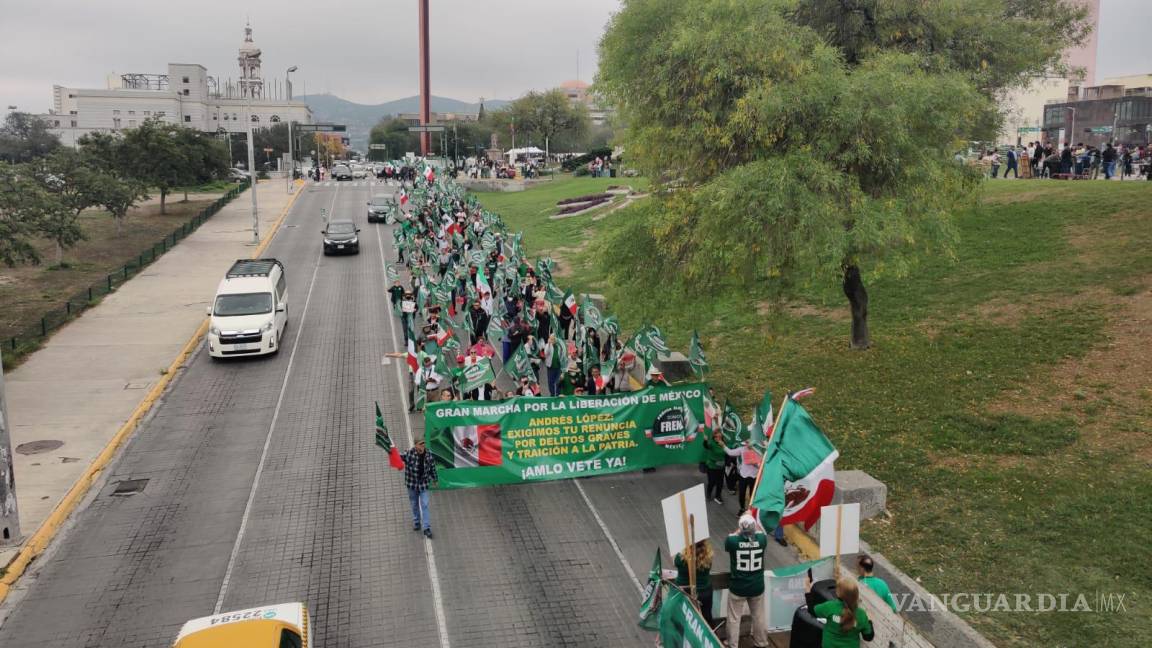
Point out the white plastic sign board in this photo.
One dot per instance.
(694, 504)
(849, 528)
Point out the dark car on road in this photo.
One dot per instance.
(381, 207)
(340, 237)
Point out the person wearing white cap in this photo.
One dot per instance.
(745, 547)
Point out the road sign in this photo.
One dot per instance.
(268, 150)
(377, 147)
(1099, 130)
(1028, 129)
(321, 128)
(425, 129)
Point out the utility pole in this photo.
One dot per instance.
(9, 515)
(252, 170)
(291, 172)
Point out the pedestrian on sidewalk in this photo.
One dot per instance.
(745, 547)
(714, 466)
(702, 552)
(845, 621)
(864, 567)
(419, 474)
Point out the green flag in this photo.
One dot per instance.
(477, 375)
(611, 325)
(682, 625)
(696, 356)
(519, 364)
(393, 275)
(732, 427)
(590, 315)
(650, 599)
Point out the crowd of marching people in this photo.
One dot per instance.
(474, 308)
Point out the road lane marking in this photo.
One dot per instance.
(608, 534)
(429, 553)
(268, 437)
(385, 361)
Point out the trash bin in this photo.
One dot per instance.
(611, 173)
(806, 630)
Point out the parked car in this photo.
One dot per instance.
(340, 237)
(237, 175)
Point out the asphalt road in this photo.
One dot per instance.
(264, 486)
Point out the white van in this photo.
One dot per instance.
(250, 311)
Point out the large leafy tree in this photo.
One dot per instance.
(105, 154)
(802, 150)
(75, 186)
(393, 133)
(154, 156)
(23, 205)
(548, 117)
(24, 138)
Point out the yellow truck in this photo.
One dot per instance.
(271, 626)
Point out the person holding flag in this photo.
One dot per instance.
(419, 475)
(702, 552)
(384, 440)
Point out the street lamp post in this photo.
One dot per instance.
(252, 168)
(291, 155)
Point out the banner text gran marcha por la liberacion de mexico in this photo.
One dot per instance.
(524, 439)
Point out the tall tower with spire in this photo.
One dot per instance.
(251, 83)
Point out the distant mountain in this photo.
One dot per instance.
(360, 118)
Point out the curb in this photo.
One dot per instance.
(48, 529)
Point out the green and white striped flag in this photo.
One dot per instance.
(696, 356)
(392, 274)
(650, 598)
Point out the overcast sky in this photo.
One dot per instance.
(361, 50)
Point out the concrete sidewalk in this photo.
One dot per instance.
(85, 382)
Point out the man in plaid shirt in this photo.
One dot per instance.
(419, 472)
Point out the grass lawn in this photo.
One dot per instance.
(27, 292)
(1006, 403)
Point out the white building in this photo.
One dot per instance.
(186, 95)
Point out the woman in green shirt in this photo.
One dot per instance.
(703, 552)
(845, 622)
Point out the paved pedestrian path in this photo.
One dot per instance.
(85, 382)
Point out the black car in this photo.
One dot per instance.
(340, 237)
(380, 208)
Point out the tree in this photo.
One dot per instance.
(23, 203)
(104, 152)
(548, 117)
(75, 186)
(205, 158)
(153, 156)
(393, 133)
(24, 137)
(806, 156)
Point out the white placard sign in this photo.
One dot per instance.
(695, 505)
(849, 526)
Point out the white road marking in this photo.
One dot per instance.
(608, 534)
(385, 361)
(268, 437)
(429, 553)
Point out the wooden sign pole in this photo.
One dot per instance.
(839, 517)
(689, 555)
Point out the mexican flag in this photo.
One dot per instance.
(650, 598)
(682, 625)
(482, 283)
(760, 429)
(412, 359)
(403, 197)
(429, 173)
(385, 441)
(570, 303)
(443, 334)
(797, 476)
(476, 445)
